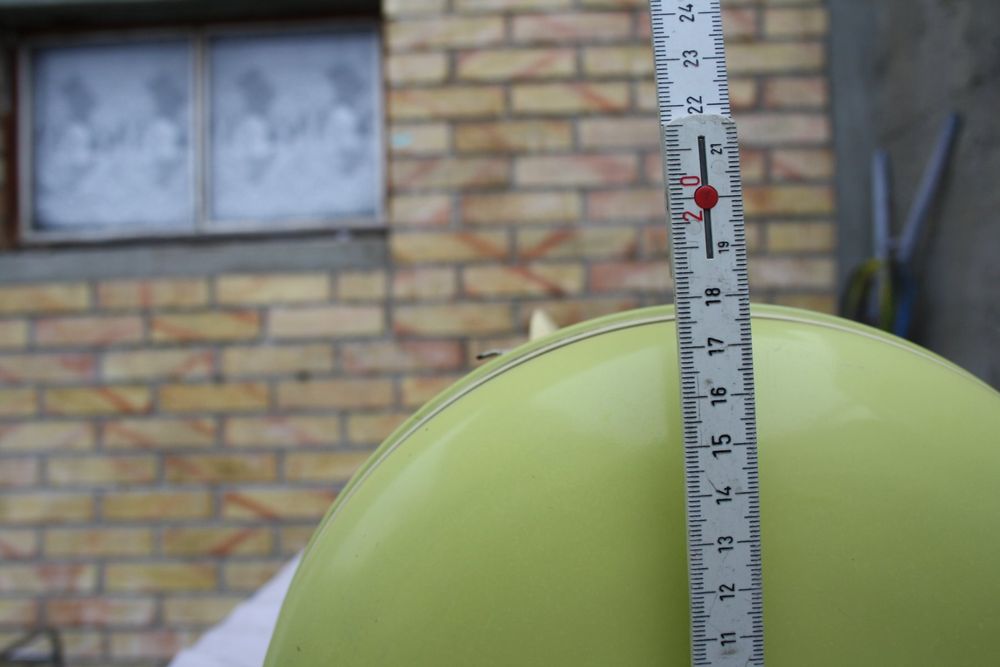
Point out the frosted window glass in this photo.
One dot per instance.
(293, 127)
(112, 139)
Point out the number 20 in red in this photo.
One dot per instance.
(691, 182)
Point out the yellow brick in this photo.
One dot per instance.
(742, 94)
(18, 402)
(88, 645)
(804, 22)
(514, 64)
(47, 507)
(801, 164)
(331, 467)
(523, 280)
(792, 272)
(618, 60)
(517, 136)
(44, 298)
(219, 468)
(618, 205)
(156, 505)
(274, 359)
(217, 541)
(361, 286)
(418, 390)
(449, 173)
(445, 102)
(569, 98)
(24, 368)
(420, 210)
(21, 613)
(149, 644)
(282, 431)
(215, 326)
(373, 429)
(48, 435)
(739, 23)
(75, 543)
(158, 433)
(620, 132)
(521, 208)
(335, 394)
(119, 470)
(421, 139)
(20, 473)
(395, 8)
(416, 68)
(570, 311)
(132, 294)
(272, 288)
(395, 356)
(150, 364)
(801, 237)
(823, 303)
(582, 169)
(775, 57)
(88, 331)
(424, 283)
(218, 397)
(651, 277)
(272, 504)
(444, 32)
(13, 333)
(572, 27)
(452, 320)
(19, 543)
(509, 5)
(155, 577)
(585, 242)
(295, 538)
(326, 321)
(788, 200)
(201, 610)
(48, 578)
(110, 399)
(425, 247)
(767, 129)
(798, 92)
(251, 575)
(102, 611)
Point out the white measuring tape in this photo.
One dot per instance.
(702, 171)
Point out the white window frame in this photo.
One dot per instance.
(204, 225)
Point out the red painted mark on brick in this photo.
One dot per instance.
(226, 546)
(9, 551)
(549, 286)
(587, 93)
(120, 402)
(414, 172)
(258, 508)
(481, 245)
(551, 241)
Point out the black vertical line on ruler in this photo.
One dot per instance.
(703, 159)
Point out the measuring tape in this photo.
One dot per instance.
(702, 171)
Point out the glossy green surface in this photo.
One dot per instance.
(533, 513)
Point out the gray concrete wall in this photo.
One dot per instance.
(900, 66)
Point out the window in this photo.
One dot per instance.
(224, 132)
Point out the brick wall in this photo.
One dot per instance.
(166, 443)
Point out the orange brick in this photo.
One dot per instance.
(217, 397)
(424, 283)
(445, 102)
(88, 331)
(44, 298)
(572, 27)
(569, 98)
(514, 136)
(801, 237)
(361, 286)
(158, 433)
(18, 402)
(448, 173)
(796, 92)
(213, 326)
(797, 22)
(523, 280)
(582, 169)
(330, 467)
(420, 139)
(570, 311)
(184, 364)
(514, 64)
(373, 429)
(775, 57)
(273, 360)
(788, 200)
(418, 390)
(48, 435)
(631, 277)
(45, 507)
(20, 473)
(792, 272)
(109, 399)
(323, 321)
(18, 613)
(452, 320)
(13, 333)
(48, 578)
(282, 431)
(19, 544)
(217, 541)
(385, 357)
(620, 133)
(335, 394)
(801, 164)
(219, 468)
(521, 207)
(617, 205)
(268, 288)
(100, 611)
(571, 243)
(155, 577)
(105, 471)
(443, 32)
(134, 294)
(249, 576)
(416, 68)
(618, 60)
(156, 505)
(447, 246)
(769, 128)
(270, 504)
(75, 542)
(201, 610)
(24, 368)
(420, 210)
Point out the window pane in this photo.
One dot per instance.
(293, 130)
(112, 140)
